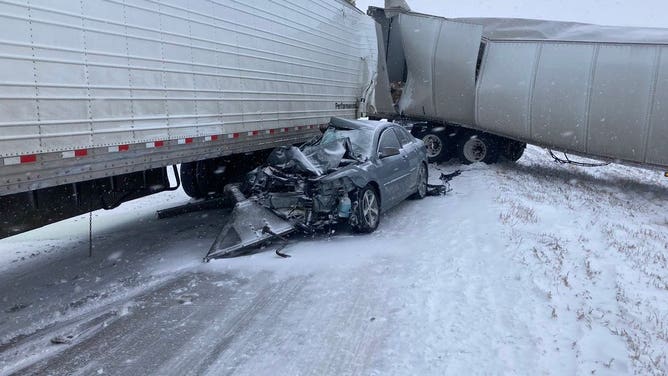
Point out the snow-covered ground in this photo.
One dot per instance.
(533, 268)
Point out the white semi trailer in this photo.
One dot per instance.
(99, 97)
(481, 88)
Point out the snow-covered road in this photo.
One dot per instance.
(527, 269)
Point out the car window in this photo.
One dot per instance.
(404, 137)
(388, 140)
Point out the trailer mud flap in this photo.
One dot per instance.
(250, 225)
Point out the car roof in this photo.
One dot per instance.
(372, 125)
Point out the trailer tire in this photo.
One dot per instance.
(512, 150)
(202, 178)
(478, 147)
(188, 175)
(367, 210)
(436, 144)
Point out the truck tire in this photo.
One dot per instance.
(367, 210)
(202, 178)
(188, 175)
(478, 147)
(436, 144)
(206, 178)
(512, 150)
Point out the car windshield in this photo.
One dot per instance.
(361, 140)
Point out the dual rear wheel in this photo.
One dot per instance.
(478, 148)
(469, 147)
(489, 149)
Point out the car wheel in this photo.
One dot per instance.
(368, 210)
(513, 150)
(422, 180)
(478, 148)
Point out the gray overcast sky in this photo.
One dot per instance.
(649, 13)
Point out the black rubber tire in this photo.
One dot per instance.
(188, 175)
(201, 179)
(208, 181)
(478, 147)
(423, 177)
(512, 150)
(365, 219)
(436, 143)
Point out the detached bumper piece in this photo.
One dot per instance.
(250, 225)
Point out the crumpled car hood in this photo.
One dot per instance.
(316, 160)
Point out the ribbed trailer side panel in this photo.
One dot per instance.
(168, 81)
(599, 99)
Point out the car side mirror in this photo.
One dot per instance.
(388, 152)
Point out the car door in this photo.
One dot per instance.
(392, 170)
(410, 147)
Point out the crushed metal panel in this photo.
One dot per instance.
(620, 102)
(560, 95)
(441, 57)
(520, 29)
(395, 52)
(504, 88)
(381, 100)
(400, 4)
(658, 132)
(246, 229)
(419, 36)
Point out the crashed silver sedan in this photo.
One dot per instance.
(353, 172)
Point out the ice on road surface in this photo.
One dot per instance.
(532, 268)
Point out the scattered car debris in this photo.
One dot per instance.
(447, 177)
(17, 307)
(62, 340)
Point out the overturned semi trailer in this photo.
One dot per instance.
(591, 90)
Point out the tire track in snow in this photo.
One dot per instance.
(464, 303)
(247, 332)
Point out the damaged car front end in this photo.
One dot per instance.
(344, 177)
(313, 186)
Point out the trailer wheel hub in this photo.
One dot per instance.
(434, 145)
(474, 149)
